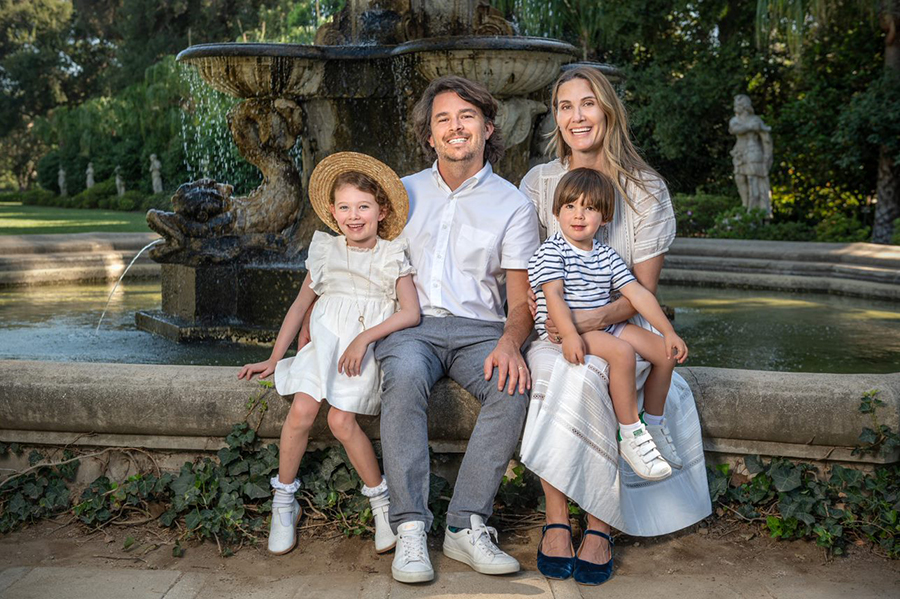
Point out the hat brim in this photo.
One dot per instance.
(321, 183)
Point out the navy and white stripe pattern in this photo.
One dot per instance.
(589, 277)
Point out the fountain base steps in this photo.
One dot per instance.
(803, 416)
(75, 258)
(856, 269)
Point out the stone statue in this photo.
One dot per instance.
(752, 155)
(209, 225)
(61, 180)
(155, 165)
(89, 173)
(120, 182)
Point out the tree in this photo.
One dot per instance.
(878, 106)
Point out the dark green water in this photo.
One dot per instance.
(794, 332)
(757, 330)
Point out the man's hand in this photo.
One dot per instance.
(507, 357)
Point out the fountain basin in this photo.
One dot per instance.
(812, 417)
(506, 65)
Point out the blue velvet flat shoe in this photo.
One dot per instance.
(558, 568)
(589, 573)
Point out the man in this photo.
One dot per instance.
(471, 234)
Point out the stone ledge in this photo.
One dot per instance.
(805, 416)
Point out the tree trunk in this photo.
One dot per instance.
(887, 209)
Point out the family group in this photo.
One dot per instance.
(538, 300)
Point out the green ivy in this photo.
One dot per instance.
(793, 501)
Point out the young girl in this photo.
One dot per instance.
(358, 279)
(572, 271)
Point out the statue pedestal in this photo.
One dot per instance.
(236, 302)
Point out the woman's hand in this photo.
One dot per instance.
(350, 363)
(675, 348)
(303, 337)
(573, 349)
(263, 369)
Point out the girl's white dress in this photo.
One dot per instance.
(570, 434)
(368, 286)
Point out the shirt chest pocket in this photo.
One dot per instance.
(474, 249)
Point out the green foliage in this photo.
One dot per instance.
(92, 198)
(41, 493)
(842, 228)
(33, 197)
(879, 438)
(695, 214)
(834, 510)
(895, 239)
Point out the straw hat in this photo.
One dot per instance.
(326, 172)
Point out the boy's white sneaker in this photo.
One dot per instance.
(639, 450)
(664, 444)
(283, 528)
(385, 539)
(473, 546)
(411, 563)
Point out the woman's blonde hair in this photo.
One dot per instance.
(624, 162)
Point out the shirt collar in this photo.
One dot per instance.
(473, 181)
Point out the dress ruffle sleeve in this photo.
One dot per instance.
(317, 256)
(396, 265)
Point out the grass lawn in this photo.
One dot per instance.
(17, 219)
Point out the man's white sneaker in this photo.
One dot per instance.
(473, 546)
(411, 562)
(639, 450)
(385, 539)
(283, 528)
(664, 444)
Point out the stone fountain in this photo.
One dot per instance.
(231, 265)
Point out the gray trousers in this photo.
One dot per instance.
(413, 360)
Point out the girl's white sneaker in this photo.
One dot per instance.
(385, 539)
(283, 528)
(639, 450)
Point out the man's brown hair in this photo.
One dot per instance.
(596, 189)
(471, 92)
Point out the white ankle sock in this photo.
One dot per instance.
(651, 420)
(284, 494)
(628, 429)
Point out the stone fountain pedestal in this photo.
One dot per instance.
(234, 302)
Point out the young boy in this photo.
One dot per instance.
(574, 271)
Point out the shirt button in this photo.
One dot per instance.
(444, 226)
(435, 285)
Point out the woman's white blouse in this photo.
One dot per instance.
(636, 234)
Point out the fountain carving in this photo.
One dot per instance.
(354, 90)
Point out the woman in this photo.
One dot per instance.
(570, 434)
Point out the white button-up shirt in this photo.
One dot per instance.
(462, 241)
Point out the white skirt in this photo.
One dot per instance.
(570, 442)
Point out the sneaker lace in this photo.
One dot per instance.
(481, 537)
(413, 546)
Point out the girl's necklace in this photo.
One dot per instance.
(361, 318)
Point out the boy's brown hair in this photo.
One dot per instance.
(597, 189)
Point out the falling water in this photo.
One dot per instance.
(125, 272)
(209, 150)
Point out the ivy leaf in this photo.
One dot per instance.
(177, 550)
(868, 436)
(754, 464)
(785, 477)
(192, 520)
(183, 483)
(129, 542)
(254, 491)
